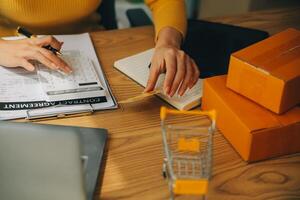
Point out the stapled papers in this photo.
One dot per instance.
(22, 90)
(83, 82)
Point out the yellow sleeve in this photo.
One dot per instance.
(170, 13)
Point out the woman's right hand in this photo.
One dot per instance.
(18, 53)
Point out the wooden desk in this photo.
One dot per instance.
(135, 154)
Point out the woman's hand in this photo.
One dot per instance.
(181, 70)
(19, 53)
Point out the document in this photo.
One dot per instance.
(83, 82)
(22, 91)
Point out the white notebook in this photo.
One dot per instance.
(136, 68)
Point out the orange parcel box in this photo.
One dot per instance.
(255, 132)
(268, 72)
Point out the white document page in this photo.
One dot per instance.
(83, 82)
(21, 91)
(84, 43)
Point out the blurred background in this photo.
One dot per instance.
(200, 9)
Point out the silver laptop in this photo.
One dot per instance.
(40, 164)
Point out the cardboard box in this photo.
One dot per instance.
(255, 132)
(268, 72)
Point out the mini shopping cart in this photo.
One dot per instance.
(188, 154)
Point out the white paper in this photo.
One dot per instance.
(136, 67)
(83, 82)
(21, 91)
(84, 43)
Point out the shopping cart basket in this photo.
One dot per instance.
(188, 154)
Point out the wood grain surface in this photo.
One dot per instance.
(134, 155)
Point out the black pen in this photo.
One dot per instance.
(23, 31)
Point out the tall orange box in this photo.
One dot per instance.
(268, 72)
(255, 132)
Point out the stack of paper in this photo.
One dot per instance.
(83, 82)
(23, 91)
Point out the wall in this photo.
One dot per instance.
(212, 8)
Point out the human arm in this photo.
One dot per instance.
(170, 27)
(19, 53)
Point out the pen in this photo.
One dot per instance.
(23, 31)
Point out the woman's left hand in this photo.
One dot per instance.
(181, 70)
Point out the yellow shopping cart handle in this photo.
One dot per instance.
(164, 111)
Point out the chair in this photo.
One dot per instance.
(136, 17)
(108, 14)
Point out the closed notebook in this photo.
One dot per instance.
(136, 68)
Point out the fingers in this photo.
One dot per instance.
(35, 54)
(153, 76)
(47, 58)
(57, 61)
(180, 74)
(191, 76)
(171, 70)
(196, 74)
(26, 65)
(181, 71)
(48, 40)
(187, 79)
(20, 52)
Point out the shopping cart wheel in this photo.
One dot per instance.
(164, 170)
(164, 174)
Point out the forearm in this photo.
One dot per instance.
(181, 71)
(170, 27)
(168, 13)
(169, 36)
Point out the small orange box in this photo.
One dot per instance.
(255, 132)
(268, 72)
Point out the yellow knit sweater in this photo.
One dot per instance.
(71, 16)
